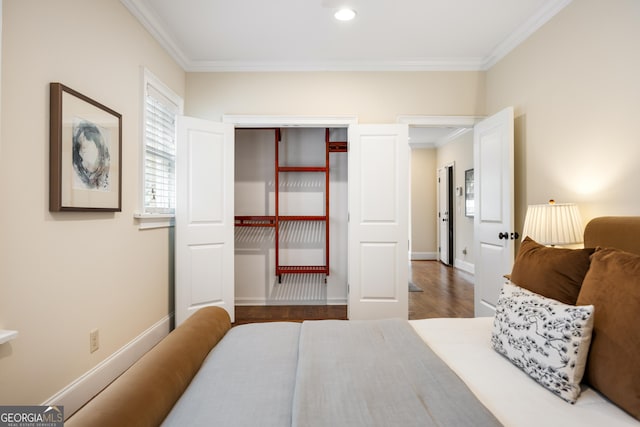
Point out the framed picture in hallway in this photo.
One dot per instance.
(85, 140)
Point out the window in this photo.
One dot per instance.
(160, 112)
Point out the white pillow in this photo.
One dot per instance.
(545, 338)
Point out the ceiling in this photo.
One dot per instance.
(302, 35)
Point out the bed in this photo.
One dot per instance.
(582, 304)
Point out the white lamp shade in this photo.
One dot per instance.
(553, 224)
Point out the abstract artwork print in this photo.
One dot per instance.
(91, 158)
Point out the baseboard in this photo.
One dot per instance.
(424, 256)
(464, 266)
(83, 389)
(250, 301)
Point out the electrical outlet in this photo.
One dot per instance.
(94, 340)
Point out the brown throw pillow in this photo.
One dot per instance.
(555, 273)
(612, 285)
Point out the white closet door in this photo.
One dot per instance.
(378, 176)
(494, 232)
(204, 217)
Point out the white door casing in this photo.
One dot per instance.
(204, 217)
(378, 180)
(494, 232)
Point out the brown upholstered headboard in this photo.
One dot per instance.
(621, 232)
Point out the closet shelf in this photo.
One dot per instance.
(302, 169)
(302, 218)
(337, 146)
(301, 269)
(270, 221)
(255, 221)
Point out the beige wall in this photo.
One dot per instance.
(63, 274)
(576, 92)
(459, 151)
(423, 203)
(373, 97)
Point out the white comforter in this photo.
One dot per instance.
(513, 397)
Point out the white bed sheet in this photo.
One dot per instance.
(510, 394)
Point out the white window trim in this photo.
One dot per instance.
(152, 220)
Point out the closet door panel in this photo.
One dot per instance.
(378, 221)
(204, 217)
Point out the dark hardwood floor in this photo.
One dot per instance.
(290, 313)
(446, 292)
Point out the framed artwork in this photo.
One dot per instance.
(85, 160)
(469, 193)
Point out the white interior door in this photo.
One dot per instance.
(204, 217)
(494, 219)
(378, 163)
(443, 214)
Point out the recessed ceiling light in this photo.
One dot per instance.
(345, 14)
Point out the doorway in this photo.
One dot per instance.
(438, 141)
(378, 202)
(291, 216)
(446, 217)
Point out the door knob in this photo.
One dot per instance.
(506, 236)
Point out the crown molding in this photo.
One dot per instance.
(542, 16)
(153, 25)
(440, 142)
(452, 136)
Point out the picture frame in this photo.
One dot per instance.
(85, 157)
(469, 193)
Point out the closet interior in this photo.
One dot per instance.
(290, 215)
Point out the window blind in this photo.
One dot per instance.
(160, 152)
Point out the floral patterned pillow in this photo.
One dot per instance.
(545, 338)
